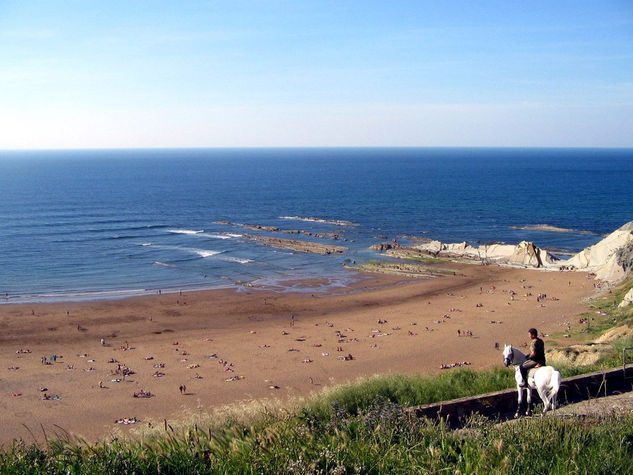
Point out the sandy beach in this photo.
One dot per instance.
(205, 349)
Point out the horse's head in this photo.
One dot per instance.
(508, 355)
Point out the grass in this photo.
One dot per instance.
(428, 260)
(383, 438)
(357, 396)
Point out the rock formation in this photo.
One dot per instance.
(611, 259)
(523, 254)
(301, 246)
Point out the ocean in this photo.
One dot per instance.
(110, 223)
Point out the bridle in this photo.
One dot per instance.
(510, 358)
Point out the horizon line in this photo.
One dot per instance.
(317, 147)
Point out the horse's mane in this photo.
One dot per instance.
(516, 353)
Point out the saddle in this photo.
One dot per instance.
(531, 371)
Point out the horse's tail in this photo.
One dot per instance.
(549, 392)
(555, 382)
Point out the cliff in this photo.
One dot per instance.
(611, 259)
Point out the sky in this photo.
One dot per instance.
(139, 74)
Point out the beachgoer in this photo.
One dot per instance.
(536, 357)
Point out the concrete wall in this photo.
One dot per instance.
(503, 404)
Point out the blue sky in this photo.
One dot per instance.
(82, 74)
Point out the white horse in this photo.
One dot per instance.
(546, 380)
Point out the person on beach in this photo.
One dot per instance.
(536, 357)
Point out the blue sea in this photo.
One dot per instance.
(110, 223)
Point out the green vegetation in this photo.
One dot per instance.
(414, 266)
(603, 315)
(383, 438)
(428, 260)
(360, 427)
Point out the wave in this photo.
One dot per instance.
(215, 235)
(337, 222)
(551, 228)
(200, 252)
(185, 231)
(166, 264)
(71, 228)
(237, 259)
(205, 253)
(141, 227)
(79, 295)
(119, 236)
(82, 237)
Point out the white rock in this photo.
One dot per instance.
(601, 257)
(597, 255)
(628, 299)
(431, 246)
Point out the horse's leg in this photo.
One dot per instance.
(542, 392)
(528, 411)
(553, 388)
(519, 402)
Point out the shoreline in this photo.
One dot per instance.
(232, 345)
(278, 284)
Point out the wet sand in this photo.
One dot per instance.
(226, 346)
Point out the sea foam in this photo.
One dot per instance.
(336, 222)
(185, 231)
(204, 252)
(215, 235)
(238, 260)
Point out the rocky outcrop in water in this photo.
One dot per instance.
(301, 246)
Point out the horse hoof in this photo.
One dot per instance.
(528, 413)
(517, 415)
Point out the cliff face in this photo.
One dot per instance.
(610, 258)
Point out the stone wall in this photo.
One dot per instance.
(502, 405)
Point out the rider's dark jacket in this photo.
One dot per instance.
(538, 348)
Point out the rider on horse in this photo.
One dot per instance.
(536, 357)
